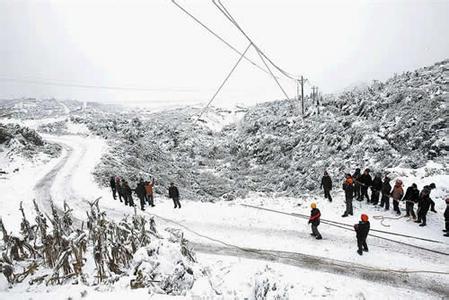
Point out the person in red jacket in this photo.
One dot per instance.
(315, 221)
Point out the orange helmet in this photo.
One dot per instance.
(364, 218)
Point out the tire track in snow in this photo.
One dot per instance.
(316, 263)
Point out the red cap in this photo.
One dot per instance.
(364, 217)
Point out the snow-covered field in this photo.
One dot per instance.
(235, 273)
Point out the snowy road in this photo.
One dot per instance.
(277, 239)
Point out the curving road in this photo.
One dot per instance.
(71, 180)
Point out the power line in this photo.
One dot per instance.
(90, 86)
(228, 15)
(217, 36)
(223, 83)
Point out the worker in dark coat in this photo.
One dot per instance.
(386, 190)
(432, 186)
(362, 230)
(423, 206)
(113, 187)
(119, 188)
(326, 185)
(446, 218)
(348, 187)
(355, 177)
(376, 189)
(141, 193)
(128, 194)
(173, 193)
(315, 221)
(365, 182)
(411, 198)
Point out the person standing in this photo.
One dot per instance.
(365, 182)
(362, 230)
(446, 217)
(119, 188)
(397, 194)
(356, 177)
(315, 221)
(173, 193)
(423, 207)
(376, 188)
(140, 192)
(113, 187)
(411, 197)
(326, 184)
(348, 187)
(432, 186)
(386, 190)
(128, 194)
(149, 191)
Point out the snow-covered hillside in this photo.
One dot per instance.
(271, 148)
(266, 160)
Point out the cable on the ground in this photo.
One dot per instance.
(263, 252)
(345, 226)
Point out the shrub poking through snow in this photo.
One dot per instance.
(56, 250)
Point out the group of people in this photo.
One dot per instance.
(357, 186)
(361, 229)
(144, 191)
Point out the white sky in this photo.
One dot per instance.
(152, 44)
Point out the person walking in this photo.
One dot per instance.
(411, 197)
(365, 182)
(315, 221)
(362, 230)
(386, 190)
(376, 188)
(140, 192)
(326, 185)
(173, 193)
(149, 186)
(356, 177)
(348, 187)
(128, 194)
(446, 217)
(113, 187)
(423, 207)
(397, 194)
(120, 190)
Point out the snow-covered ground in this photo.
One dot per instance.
(236, 274)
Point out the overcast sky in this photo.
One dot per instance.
(154, 45)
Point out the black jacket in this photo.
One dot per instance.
(424, 203)
(349, 191)
(140, 190)
(412, 195)
(365, 179)
(127, 190)
(112, 183)
(326, 182)
(315, 216)
(362, 230)
(173, 192)
(377, 184)
(446, 214)
(386, 188)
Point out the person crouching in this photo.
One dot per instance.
(315, 221)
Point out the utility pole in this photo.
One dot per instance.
(302, 94)
(315, 97)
